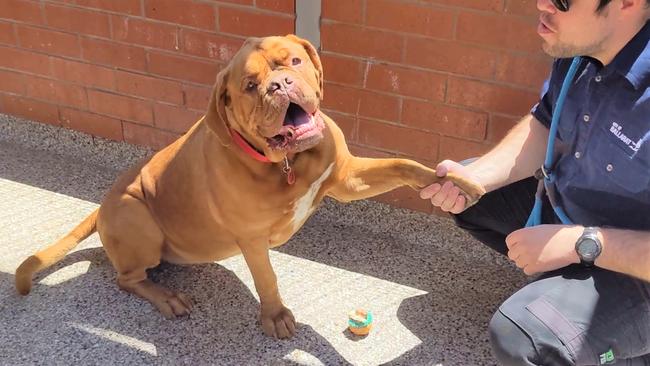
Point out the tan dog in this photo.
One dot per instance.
(243, 180)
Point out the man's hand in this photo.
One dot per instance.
(447, 196)
(543, 248)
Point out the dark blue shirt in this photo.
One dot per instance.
(603, 169)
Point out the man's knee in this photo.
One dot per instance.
(510, 344)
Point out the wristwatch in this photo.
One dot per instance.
(588, 246)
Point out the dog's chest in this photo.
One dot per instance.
(304, 206)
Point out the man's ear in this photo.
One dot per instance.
(215, 116)
(313, 55)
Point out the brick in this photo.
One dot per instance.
(349, 11)
(56, 91)
(149, 87)
(17, 59)
(12, 82)
(22, 11)
(499, 126)
(52, 42)
(241, 2)
(210, 45)
(361, 102)
(93, 124)
(29, 108)
(183, 68)
(197, 97)
(113, 54)
(359, 41)
(341, 98)
(7, 34)
(405, 81)
(173, 118)
(83, 73)
(445, 120)
(343, 70)
(73, 20)
(402, 140)
(190, 13)
(253, 23)
(488, 5)
(131, 7)
(120, 107)
(146, 33)
(512, 33)
(522, 7)
(523, 70)
(282, 6)
(400, 16)
(369, 152)
(451, 57)
(490, 97)
(347, 123)
(457, 150)
(380, 106)
(147, 136)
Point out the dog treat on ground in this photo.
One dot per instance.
(360, 322)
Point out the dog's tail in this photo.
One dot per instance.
(53, 253)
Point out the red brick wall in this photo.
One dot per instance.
(425, 79)
(430, 80)
(133, 70)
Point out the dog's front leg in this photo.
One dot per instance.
(361, 178)
(276, 319)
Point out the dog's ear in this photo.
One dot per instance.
(313, 55)
(215, 116)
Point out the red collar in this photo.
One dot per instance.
(248, 149)
(252, 152)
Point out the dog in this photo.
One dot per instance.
(242, 180)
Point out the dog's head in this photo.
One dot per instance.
(270, 93)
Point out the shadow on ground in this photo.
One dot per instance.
(96, 323)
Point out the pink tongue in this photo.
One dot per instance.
(298, 120)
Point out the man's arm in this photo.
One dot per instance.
(625, 251)
(517, 156)
(545, 248)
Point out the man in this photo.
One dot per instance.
(591, 304)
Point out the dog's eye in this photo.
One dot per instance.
(296, 61)
(251, 85)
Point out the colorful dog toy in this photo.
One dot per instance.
(360, 322)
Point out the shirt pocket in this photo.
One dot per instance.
(615, 166)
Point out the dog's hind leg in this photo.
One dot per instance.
(134, 243)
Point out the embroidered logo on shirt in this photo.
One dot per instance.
(617, 130)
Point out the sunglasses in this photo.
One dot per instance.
(561, 5)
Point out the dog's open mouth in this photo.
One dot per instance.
(300, 130)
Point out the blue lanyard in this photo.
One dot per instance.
(547, 176)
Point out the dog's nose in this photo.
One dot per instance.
(279, 83)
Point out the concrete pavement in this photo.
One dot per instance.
(431, 287)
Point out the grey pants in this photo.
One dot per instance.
(572, 316)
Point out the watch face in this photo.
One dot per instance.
(588, 248)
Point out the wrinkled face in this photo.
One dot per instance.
(273, 94)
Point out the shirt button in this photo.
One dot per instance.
(609, 167)
(598, 78)
(586, 118)
(577, 155)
